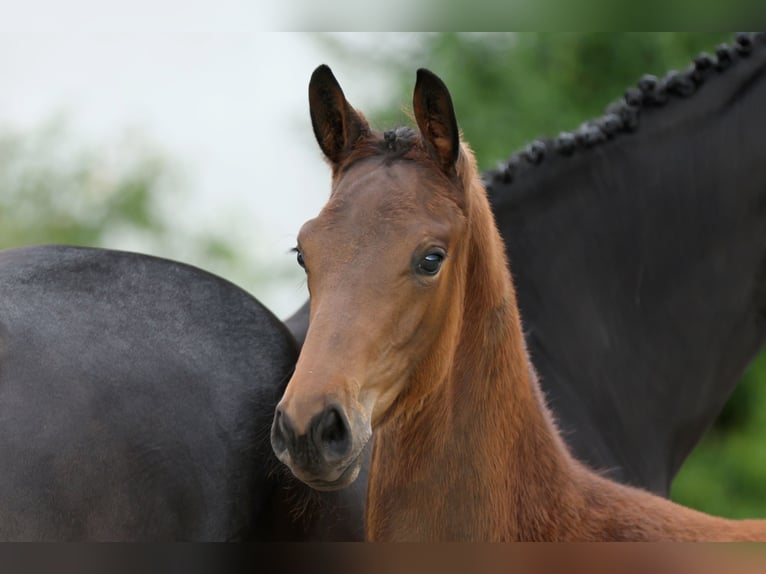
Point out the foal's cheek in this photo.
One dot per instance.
(413, 323)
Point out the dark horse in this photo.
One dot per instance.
(136, 394)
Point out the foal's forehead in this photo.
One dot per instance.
(395, 190)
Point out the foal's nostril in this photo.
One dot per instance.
(326, 442)
(332, 434)
(281, 432)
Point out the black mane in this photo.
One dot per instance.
(623, 115)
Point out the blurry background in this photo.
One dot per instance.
(193, 142)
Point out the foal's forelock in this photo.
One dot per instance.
(388, 146)
(435, 185)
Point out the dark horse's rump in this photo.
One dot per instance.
(135, 399)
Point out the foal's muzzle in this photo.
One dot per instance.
(322, 456)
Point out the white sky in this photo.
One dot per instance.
(225, 100)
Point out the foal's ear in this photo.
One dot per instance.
(337, 125)
(435, 116)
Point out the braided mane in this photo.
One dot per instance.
(623, 115)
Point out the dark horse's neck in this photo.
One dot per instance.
(482, 445)
(660, 235)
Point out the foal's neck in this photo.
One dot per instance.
(481, 448)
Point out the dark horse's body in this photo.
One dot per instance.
(136, 394)
(641, 272)
(134, 398)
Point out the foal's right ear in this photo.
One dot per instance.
(436, 120)
(337, 125)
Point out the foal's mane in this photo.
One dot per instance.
(623, 116)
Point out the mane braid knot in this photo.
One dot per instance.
(623, 115)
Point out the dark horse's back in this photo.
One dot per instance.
(136, 396)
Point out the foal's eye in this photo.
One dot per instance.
(431, 263)
(299, 257)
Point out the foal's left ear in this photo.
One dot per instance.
(435, 116)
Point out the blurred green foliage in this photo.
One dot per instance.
(529, 15)
(511, 88)
(726, 473)
(123, 194)
(52, 191)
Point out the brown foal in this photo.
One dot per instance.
(415, 333)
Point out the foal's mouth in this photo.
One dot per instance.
(346, 477)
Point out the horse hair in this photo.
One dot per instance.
(623, 115)
(398, 141)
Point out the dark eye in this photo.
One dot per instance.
(299, 257)
(431, 263)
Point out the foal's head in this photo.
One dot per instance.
(385, 263)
